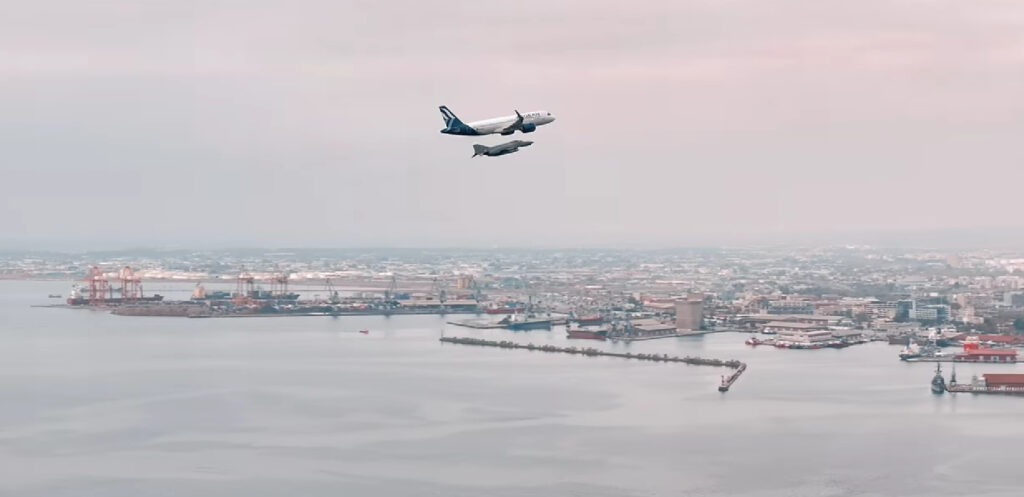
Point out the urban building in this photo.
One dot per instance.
(935, 312)
(805, 337)
(790, 307)
(987, 355)
(646, 328)
(689, 314)
(1002, 380)
(789, 326)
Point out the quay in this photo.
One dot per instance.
(1009, 390)
(955, 359)
(671, 335)
(478, 324)
(740, 367)
(394, 312)
(487, 324)
(727, 381)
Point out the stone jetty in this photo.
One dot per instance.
(740, 367)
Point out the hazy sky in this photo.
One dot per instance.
(173, 123)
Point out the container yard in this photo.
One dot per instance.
(271, 296)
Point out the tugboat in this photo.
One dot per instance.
(938, 382)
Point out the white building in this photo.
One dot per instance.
(805, 337)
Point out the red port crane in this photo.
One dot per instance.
(131, 285)
(99, 287)
(245, 286)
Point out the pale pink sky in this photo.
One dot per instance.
(171, 123)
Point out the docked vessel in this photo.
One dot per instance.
(200, 293)
(938, 382)
(76, 298)
(520, 322)
(589, 320)
(588, 333)
(507, 308)
(1002, 383)
(913, 351)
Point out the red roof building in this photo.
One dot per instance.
(1004, 380)
(1003, 339)
(987, 355)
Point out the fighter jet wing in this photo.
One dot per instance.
(511, 128)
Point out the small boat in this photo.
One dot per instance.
(54, 295)
(365, 332)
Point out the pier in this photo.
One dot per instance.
(727, 381)
(1008, 390)
(739, 367)
(478, 324)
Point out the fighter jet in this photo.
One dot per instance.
(525, 123)
(503, 149)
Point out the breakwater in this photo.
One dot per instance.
(740, 367)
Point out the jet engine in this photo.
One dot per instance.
(529, 128)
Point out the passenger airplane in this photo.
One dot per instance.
(526, 123)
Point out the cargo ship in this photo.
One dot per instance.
(76, 298)
(1002, 383)
(589, 320)
(201, 294)
(912, 351)
(588, 334)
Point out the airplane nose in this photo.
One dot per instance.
(526, 144)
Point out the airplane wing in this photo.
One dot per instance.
(511, 128)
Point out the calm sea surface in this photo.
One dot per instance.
(93, 404)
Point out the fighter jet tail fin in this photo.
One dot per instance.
(478, 150)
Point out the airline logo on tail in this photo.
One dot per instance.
(448, 116)
(453, 125)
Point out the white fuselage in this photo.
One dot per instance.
(495, 125)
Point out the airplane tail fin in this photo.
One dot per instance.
(450, 119)
(478, 150)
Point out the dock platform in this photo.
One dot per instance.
(478, 324)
